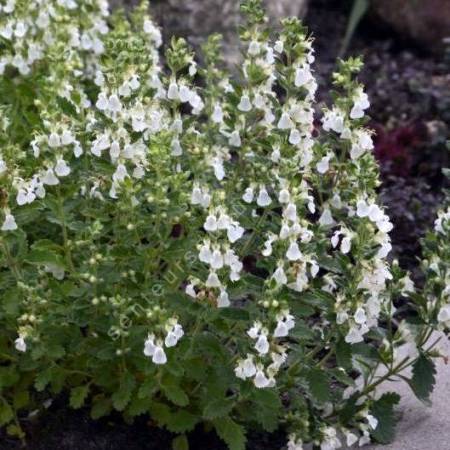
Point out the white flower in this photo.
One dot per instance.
(360, 316)
(216, 261)
(262, 344)
(245, 104)
(54, 140)
(323, 165)
(223, 300)
(173, 92)
(248, 195)
(284, 196)
(302, 76)
(346, 244)
(294, 136)
(351, 438)
(354, 336)
(281, 329)
(333, 120)
(20, 344)
(217, 115)
(260, 380)
(114, 104)
(159, 356)
(326, 218)
(50, 178)
(174, 335)
(149, 345)
(293, 253)
(190, 290)
(360, 103)
(176, 149)
(102, 102)
(373, 421)
(234, 233)
(210, 223)
(212, 280)
(61, 168)
(444, 314)
(263, 198)
(279, 276)
(234, 139)
(254, 48)
(285, 122)
(362, 208)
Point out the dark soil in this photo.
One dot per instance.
(410, 96)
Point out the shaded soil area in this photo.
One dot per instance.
(410, 96)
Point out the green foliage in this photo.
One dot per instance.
(423, 379)
(383, 410)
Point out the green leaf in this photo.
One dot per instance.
(267, 408)
(138, 406)
(344, 354)
(423, 379)
(319, 385)
(174, 392)
(359, 8)
(43, 379)
(45, 252)
(121, 397)
(180, 443)
(147, 388)
(218, 408)
(234, 314)
(231, 433)
(181, 421)
(160, 413)
(383, 410)
(78, 396)
(21, 398)
(101, 407)
(6, 413)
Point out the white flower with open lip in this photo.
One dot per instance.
(245, 105)
(263, 197)
(235, 139)
(159, 356)
(279, 275)
(248, 195)
(213, 280)
(223, 300)
(20, 344)
(293, 253)
(324, 164)
(217, 115)
(360, 104)
(61, 168)
(261, 381)
(210, 223)
(50, 178)
(285, 122)
(173, 91)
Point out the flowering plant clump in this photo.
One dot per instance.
(202, 248)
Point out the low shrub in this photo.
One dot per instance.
(195, 245)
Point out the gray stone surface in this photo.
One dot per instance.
(425, 21)
(197, 19)
(421, 427)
